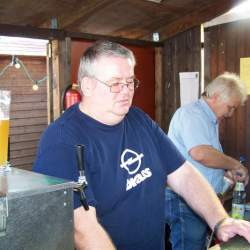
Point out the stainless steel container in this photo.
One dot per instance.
(36, 211)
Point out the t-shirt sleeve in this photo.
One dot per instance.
(171, 157)
(59, 160)
(195, 132)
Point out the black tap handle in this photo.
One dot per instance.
(80, 157)
(84, 200)
(82, 179)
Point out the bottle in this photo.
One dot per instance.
(239, 200)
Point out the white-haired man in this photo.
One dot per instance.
(194, 131)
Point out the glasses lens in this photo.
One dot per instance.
(130, 84)
(116, 88)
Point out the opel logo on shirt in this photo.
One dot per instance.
(131, 161)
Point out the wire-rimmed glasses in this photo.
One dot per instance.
(117, 87)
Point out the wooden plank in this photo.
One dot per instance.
(22, 83)
(27, 90)
(28, 98)
(49, 70)
(23, 145)
(28, 106)
(158, 84)
(32, 32)
(61, 63)
(181, 53)
(84, 12)
(25, 122)
(25, 166)
(204, 14)
(27, 129)
(30, 114)
(207, 56)
(242, 29)
(229, 133)
(52, 34)
(19, 162)
(25, 137)
(92, 37)
(31, 152)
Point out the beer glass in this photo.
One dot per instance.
(4, 127)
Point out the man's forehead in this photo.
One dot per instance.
(114, 58)
(112, 66)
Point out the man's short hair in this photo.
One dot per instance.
(227, 85)
(97, 50)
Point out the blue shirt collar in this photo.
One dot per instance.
(208, 110)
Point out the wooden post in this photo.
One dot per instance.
(158, 85)
(49, 84)
(61, 67)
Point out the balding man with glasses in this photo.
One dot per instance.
(128, 161)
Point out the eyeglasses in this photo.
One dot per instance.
(231, 108)
(117, 87)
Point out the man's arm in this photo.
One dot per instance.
(88, 233)
(210, 157)
(192, 186)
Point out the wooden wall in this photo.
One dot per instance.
(28, 116)
(181, 53)
(145, 72)
(224, 46)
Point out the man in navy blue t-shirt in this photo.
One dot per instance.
(128, 160)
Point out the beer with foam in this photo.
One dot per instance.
(4, 127)
(4, 136)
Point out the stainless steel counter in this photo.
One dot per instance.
(36, 211)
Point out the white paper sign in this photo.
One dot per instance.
(189, 87)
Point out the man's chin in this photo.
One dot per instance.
(122, 111)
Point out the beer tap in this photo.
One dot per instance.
(82, 182)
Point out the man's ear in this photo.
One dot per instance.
(87, 86)
(215, 98)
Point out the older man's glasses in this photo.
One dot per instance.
(230, 108)
(116, 87)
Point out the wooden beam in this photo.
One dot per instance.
(205, 14)
(158, 84)
(56, 34)
(32, 32)
(91, 37)
(49, 70)
(61, 63)
(84, 12)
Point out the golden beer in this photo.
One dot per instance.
(4, 136)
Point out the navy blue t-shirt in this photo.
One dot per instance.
(126, 168)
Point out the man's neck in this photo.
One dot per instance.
(107, 119)
(211, 106)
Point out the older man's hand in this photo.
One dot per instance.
(241, 174)
(231, 227)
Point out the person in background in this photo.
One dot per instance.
(128, 161)
(194, 131)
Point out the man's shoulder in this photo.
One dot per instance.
(140, 118)
(191, 109)
(57, 129)
(135, 112)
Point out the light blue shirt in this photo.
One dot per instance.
(193, 125)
